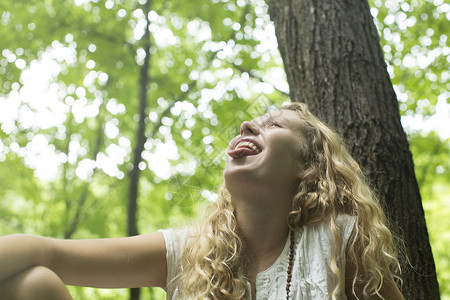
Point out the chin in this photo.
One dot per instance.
(243, 177)
(240, 170)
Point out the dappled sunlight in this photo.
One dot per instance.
(439, 121)
(69, 104)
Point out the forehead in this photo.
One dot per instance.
(288, 118)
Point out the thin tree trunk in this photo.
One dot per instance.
(80, 203)
(140, 139)
(334, 63)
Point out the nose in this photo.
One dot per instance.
(249, 128)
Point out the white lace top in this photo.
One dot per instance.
(311, 274)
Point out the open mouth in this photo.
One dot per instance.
(244, 148)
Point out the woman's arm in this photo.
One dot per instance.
(108, 263)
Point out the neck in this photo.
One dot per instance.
(264, 229)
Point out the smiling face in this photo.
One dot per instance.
(266, 153)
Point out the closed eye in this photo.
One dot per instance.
(274, 124)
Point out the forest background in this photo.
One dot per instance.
(71, 80)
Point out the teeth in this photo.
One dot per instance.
(249, 145)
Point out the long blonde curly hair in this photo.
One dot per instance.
(214, 263)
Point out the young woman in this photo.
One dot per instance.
(295, 219)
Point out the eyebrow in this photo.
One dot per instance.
(271, 116)
(266, 120)
(289, 122)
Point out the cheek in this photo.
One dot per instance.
(286, 157)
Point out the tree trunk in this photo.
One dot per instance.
(334, 63)
(140, 139)
(80, 203)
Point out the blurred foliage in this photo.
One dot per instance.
(69, 78)
(414, 38)
(432, 164)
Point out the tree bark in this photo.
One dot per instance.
(334, 63)
(140, 138)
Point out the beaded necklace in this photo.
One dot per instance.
(291, 262)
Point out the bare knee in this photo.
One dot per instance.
(35, 283)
